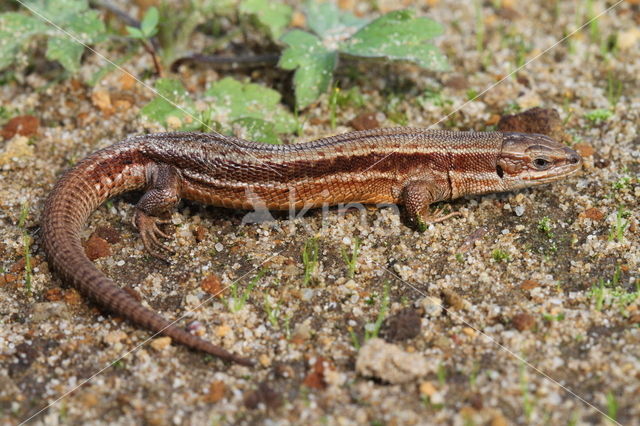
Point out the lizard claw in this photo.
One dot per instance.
(149, 232)
(438, 215)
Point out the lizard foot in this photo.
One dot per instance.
(438, 215)
(149, 232)
(423, 221)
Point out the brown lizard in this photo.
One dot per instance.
(414, 167)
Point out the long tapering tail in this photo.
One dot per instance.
(77, 194)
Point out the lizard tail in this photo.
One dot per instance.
(77, 194)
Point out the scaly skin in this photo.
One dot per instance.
(414, 167)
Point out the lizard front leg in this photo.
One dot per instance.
(157, 203)
(418, 195)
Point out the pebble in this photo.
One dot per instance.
(431, 305)
(388, 362)
(160, 343)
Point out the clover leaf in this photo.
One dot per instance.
(80, 26)
(395, 36)
(254, 108)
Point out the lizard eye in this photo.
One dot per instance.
(541, 163)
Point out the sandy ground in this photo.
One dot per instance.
(524, 311)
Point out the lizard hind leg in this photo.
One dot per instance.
(418, 196)
(157, 203)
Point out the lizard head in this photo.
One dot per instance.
(531, 159)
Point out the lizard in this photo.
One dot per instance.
(408, 166)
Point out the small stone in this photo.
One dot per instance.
(519, 210)
(499, 420)
(102, 100)
(315, 378)
(127, 81)
(404, 325)
(17, 148)
(431, 305)
(96, 247)
(523, 322)
(529, 285)
(263, 395)
(469, 331)
(8, 278)
(453, 299)
(390, 363)
(593, 213)
(302, 331)
(628, 39)
(584, 149)
(457, 82)
(427, 389)
(108, 234)
(160, 343)
(212, 285)
(216, 392)
(264, 360)
(54, 294)
(23, 125)
(114, 337)
(46, 311)
(173, 122)
(534, 120)
(200, 233)
(365, 121)
(222, 330)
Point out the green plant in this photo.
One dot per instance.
(351, 259)
(552, 318)
(354, 338)
(479, 25)
(612, 406)
(26, 241)
(441, 374)
(253, 107)
(148, 29)
(545, 226)
(620, 226)
(73, 16)
(597, 116)
(500, 255)
(372, 330)
(528, 403)
(611, 293)
(614, 89)
(268, 14)
(238, 301)
(433, 97)
(395, 36)
(621, 183)
(310, 259)
(273, 312)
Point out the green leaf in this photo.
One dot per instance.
(135, 32)
(327, 17)
(65, 51)
(162, 107)
(231, 100)
(72, 16)
(313, 62)
(15, 30)
(259, 130)
(399, 36)
(275, 16)
(149, 23)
